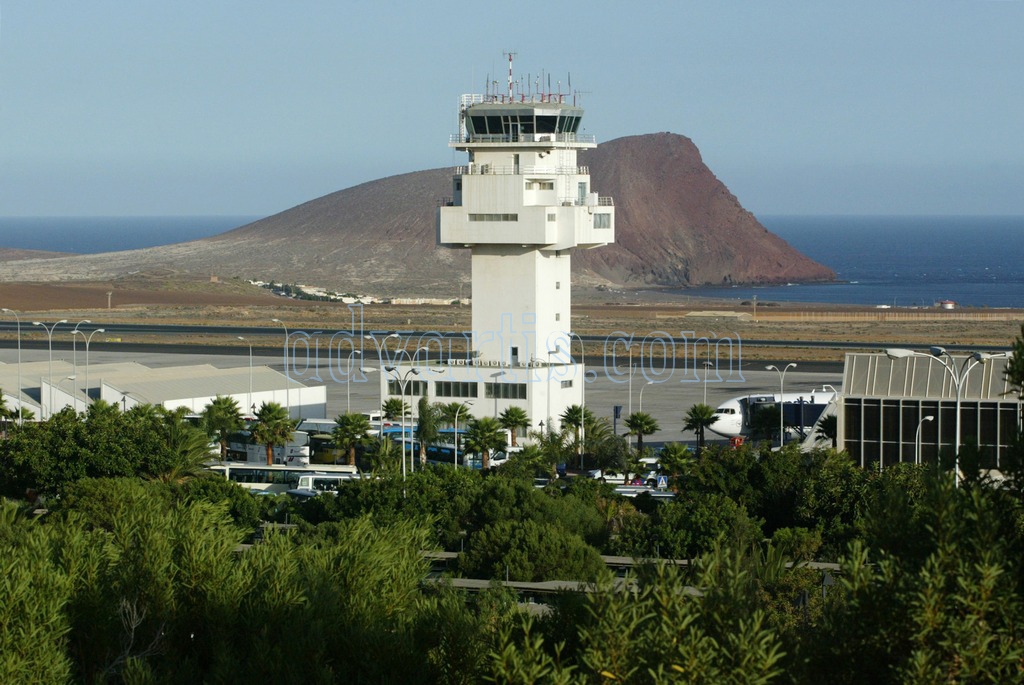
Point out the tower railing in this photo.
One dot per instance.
(524, 138)
(520, 170)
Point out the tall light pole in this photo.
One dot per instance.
(644, 387)
(403, 381)
(583, 398)
(21, 413)
(49, 346)
(348, 379)
(494, 389)
(287, 373)
(249, 403)
(74, 359)
(958, 378)
(917, 438)
(67, 378)
(380, 357)
(459, 409)
(782, 399)
(88, 339)
(707, 365)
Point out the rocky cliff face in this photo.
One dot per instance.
(676, 225)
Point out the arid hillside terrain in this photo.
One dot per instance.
(677, 225)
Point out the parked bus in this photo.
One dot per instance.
(241, 447)
(278, 478)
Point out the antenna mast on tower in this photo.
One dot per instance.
(510, 55)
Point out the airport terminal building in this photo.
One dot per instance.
(902, 406)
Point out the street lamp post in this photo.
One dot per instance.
(629, 408)
(49, 346)
(459, 409)
(644, 387)
(287, 372)
(494, 390)
(583, 399)
(250, 402)
(21, 413)
(958, 378)
(348, 379)
(782, 397)
(74, 360)
(707, 365)
(917, 438)
(68, 378)
(380, 357)
(403, 382)
(88, 339)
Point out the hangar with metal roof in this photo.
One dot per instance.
(46, 388)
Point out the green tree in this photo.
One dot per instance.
(221, 418)
(351, 431)
(514, 419)
(188, 450)
(483, 436)
(676, 460)
(828, 429)
(428, 427)
(273, 427)
(530, 551)
(698, 419)
(5, 412)
(394, 409)
(641, 423)
(764, 423)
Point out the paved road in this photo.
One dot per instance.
(664, 393)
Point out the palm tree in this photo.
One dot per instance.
(426, 426)
(828, 429)
(394, 408)
(5, 414)
(188, 448)
(448, 412)
(554, 446)
(699, 418)
(575, 416)
(351, 431)
(675, 459)
(384, 457)
(273, 427)
(640, 423)
(513, 420)
(221, 418)
(483, 435)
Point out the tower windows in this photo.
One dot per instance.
(494, 217)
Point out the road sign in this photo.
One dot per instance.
(662, 482)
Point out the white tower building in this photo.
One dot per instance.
(521, 204)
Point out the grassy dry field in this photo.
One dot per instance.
(160, 300)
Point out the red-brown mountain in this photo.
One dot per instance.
(676, 225)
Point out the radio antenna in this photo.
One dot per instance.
(510, 55)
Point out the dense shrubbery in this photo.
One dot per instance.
(136, 573)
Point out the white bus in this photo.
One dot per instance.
(242, 448)
(279, 478)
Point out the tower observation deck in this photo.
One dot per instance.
(521, 205)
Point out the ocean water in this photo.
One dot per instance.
(88, 235)
(900, 261)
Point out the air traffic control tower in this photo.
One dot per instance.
(521, 204)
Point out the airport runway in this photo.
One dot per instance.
(662, 391)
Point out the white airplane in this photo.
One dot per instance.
(800, 409)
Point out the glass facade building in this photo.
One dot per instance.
(886, 402)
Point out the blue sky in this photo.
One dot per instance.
(249, 108)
